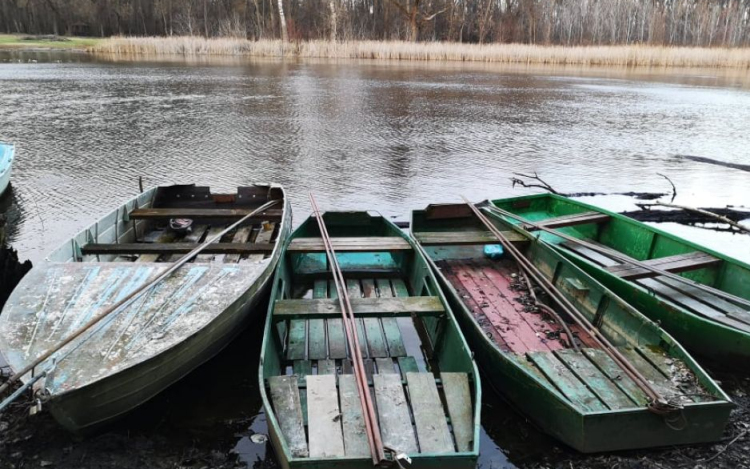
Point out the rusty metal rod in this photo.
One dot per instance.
(574, 314)
(550, 312)
(618, 256)
(131, 297)
(374, 439)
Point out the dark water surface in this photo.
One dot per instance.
(360, 135)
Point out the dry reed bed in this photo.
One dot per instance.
(633, 55)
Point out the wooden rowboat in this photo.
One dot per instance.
(582, 397)
(6, 164)
(708, 325)
(416, 360)
(143, 347)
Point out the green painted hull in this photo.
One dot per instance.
(551, 411)
(297, 269)
(718, 343)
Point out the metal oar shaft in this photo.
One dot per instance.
(371, 423)
(572, 311)
(131, 297)
(622, 258)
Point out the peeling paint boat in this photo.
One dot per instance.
(569, 386)
(425, 385)
(7, 151)
(710, 326)
(142, 348)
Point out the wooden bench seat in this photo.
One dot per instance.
(363, 244)
(363, 307)
(163, 213)
(570, 220)
(176, 248)
(675, 264)
(465, 238)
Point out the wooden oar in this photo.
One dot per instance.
(131, 297)
(620, 257)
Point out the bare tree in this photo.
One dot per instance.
(282, 20)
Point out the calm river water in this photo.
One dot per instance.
(360, 135)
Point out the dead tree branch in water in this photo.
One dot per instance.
(707, 213)
(703, 159)
(542, 184)
(674, 189)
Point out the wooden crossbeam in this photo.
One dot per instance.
(570, 220)
(161, 213)
(363, 307)
(675, 264)
(363, 244)
(461, 238)
(175, 248)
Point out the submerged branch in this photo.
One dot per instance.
(702, 159)
(705, 213)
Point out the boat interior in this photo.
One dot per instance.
(165, 223)
(500, 300)
(647, 245)
(418, 367)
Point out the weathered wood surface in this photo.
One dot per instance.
(241, 236)
(326, 367)
(407, 364)
(613, 371)
(590, 254)
(286, 406)
(391, 331)
(162, 213)
(297, 340)
(565, 381)
(432, 428)
(355, 434)
(337, 347)
(324, 417)
(660, 383)
(460, 238)
(363, 307)
(674, 264)
(175, 248)
(263, 238)
(570, 220)
(458, 400)
(364, 244)
(385, 366)
(607, 391)
(393, 414)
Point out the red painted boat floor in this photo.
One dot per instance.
(487, 289)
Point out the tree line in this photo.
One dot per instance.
(565, 22)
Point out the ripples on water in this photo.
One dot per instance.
(360, 135)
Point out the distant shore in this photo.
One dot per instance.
(193, 46)
(628, 56)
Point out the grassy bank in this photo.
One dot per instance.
(23, 41)
(634, 55)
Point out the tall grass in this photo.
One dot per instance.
(630, 56)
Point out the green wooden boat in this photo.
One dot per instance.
(148, 344)
(416, 359)
(708, 325)
(582, 397)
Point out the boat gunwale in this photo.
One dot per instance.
(275, 427)
(7, 154)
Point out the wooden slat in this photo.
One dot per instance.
(164, 238)
(458, 399)
(612, 371)
(302, 369)
(670, 367)
(263, 238)
(660, 383)
(336, 337)
(590, 254)
(241, 236)
(674, 264)
(365, 244)
(406, 365)
(465, 238)
(571, 220)
(732, 310)
(297, 341)
(429, 417)
(162, 213)
(568, 384)
(600, 384)
(393, 414)
(326, 367)
(355, 433)
(447, 211)
(385, 366)
(207, 255)
(324, 422)
(195, 236)
(318, 347)
(354, 290)
(391, 330)
(363, 307)
(288, 411)
(375, 340)
(176, 248)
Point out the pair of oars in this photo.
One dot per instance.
(119, 306)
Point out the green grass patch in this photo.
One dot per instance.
(20, 41)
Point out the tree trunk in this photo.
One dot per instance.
(332, 8)
(282, 20)
(413, 24)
